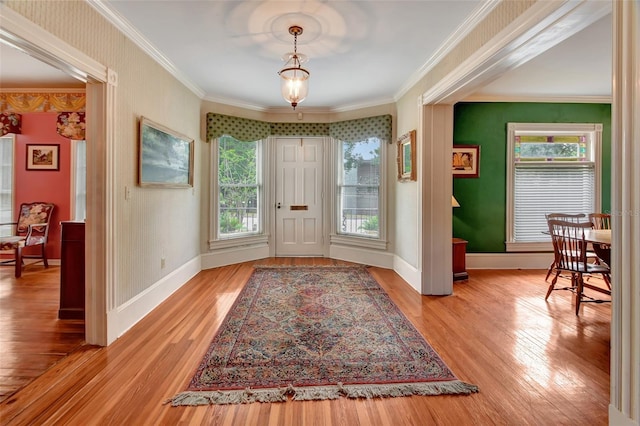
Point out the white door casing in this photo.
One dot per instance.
(299, 197)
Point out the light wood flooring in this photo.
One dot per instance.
(535, 362)
(32, 339)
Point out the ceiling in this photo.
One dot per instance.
(361, 53)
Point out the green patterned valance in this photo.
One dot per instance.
(362, 128)
(300, 129)
(241, 129)
(247, 130)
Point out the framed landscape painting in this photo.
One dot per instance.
(165, 157)
(43, 157)
(466, 161)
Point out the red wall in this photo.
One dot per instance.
(53, 186)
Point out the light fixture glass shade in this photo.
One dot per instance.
(294, 84)
(454, 202)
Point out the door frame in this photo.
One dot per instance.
(328, 197)
(101, 83)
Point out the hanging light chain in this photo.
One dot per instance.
(294, 84)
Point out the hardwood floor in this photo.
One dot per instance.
(535, 362)
(32, 339)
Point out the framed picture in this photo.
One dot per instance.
(165, 157)
(466, 161)
(407, 157)
(43, 157)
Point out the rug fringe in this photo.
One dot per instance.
(246, 396)
(355, 266)
(314, 393)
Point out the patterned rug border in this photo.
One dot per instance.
(320, 392)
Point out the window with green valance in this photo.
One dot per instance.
(241, 129)
(362, 128)
(244, 129)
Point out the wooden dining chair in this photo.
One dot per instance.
(570, 251)
(574, 218)
(600, 220)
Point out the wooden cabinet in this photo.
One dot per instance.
(459, 259)
(72, 271)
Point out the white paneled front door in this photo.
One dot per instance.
(299, 182)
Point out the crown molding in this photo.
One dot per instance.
(123, 25)
(476, 17)
(541, 27)
(234, 103)
(569, 99)
(301, 108)
(26, 36)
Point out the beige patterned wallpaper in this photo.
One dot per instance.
(145, 223)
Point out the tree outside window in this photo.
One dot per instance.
(238, 187)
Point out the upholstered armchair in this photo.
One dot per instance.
(31, 229)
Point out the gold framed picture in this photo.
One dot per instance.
(407, 157)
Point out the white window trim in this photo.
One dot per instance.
(332, 204)
(12, 217)
(260, 237)
(336, 237)
(594, 130)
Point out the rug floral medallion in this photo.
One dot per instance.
(314, 333)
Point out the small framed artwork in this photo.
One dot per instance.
(407, 157)
(43, 157)
(165, 157)
(466, 161)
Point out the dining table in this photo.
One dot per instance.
(598, 236)
(600, 239)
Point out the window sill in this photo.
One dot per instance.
(240, 241)
(354, 241)
(529, 247)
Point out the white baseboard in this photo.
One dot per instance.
(230, 256)
(508, 260)
(129, 313)
(617, 418)
(408, 272)
(359, 255)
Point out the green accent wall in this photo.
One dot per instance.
(481, 219)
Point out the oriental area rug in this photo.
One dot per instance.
(312, 333)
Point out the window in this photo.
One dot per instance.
(359, 180)
(239, 190)
(552, 168)
(6, 184)
(79, 192)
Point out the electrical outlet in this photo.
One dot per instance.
(162, 262)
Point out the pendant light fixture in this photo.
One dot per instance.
(294, 80)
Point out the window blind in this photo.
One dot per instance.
(543, 189)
